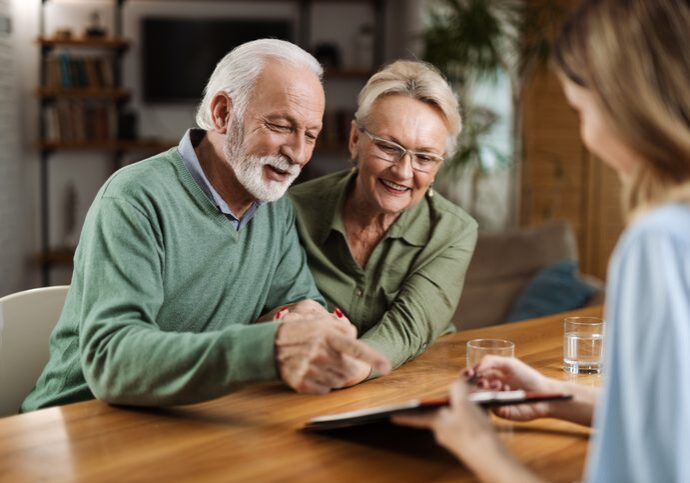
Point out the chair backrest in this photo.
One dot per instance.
(26, 322)
(503, 265)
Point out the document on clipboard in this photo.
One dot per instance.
(485, 399)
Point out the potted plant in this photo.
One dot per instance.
(475, 41)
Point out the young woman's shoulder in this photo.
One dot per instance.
(670, 222)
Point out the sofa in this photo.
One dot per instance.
(524, 273)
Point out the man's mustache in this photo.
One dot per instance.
(282, 163)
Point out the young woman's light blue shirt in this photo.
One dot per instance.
(643, 421)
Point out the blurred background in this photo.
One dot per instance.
(88, 86)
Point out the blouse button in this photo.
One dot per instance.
(359, 292)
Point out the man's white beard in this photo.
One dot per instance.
(249, 168)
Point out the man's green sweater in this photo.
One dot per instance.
(164, 293)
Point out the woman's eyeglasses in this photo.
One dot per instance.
(392, 152)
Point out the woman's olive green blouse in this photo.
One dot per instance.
(406, 295)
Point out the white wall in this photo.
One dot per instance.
(13, 197)
(86, 171)
(331, 21)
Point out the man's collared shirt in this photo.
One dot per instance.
(189, 141)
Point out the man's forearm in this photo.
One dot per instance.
(139, 366)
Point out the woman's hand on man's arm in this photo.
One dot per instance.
(307, 307)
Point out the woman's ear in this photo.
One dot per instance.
(221, 112)
(352, 141)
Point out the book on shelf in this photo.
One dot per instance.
(336, 127)
(64, 71)
(79, 122)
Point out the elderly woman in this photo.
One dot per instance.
(383, 247)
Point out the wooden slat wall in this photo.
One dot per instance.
(605, 220)
(561, 180)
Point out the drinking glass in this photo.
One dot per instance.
(583, 345)
(478, 348)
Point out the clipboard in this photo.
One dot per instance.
(486, 399)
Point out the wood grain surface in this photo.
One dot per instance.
(254, 434)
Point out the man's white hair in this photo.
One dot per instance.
(236, 73)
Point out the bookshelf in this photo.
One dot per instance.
(81, 100)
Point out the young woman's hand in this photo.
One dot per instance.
(465, 430)
(508, 373)
(460, 427)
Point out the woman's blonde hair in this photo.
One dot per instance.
(634, 57)
(417, 80)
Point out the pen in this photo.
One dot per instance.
(475, 376)
(474, 379)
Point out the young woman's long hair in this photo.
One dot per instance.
(634, 57)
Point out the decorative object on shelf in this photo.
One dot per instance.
(71, 208)
(95, 28)
(5, 25)
(63, 33)
(328, 54)
(364, 47)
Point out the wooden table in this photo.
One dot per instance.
(254, 434)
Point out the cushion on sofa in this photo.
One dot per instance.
(556, 288)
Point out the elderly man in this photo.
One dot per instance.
(182, 252)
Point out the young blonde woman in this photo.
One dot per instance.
(625, 67)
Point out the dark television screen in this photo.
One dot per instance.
(180, 54)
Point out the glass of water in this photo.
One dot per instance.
(478, 348)
(583, 345)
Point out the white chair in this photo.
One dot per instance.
(26, 322)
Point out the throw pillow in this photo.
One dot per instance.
(554, 289)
